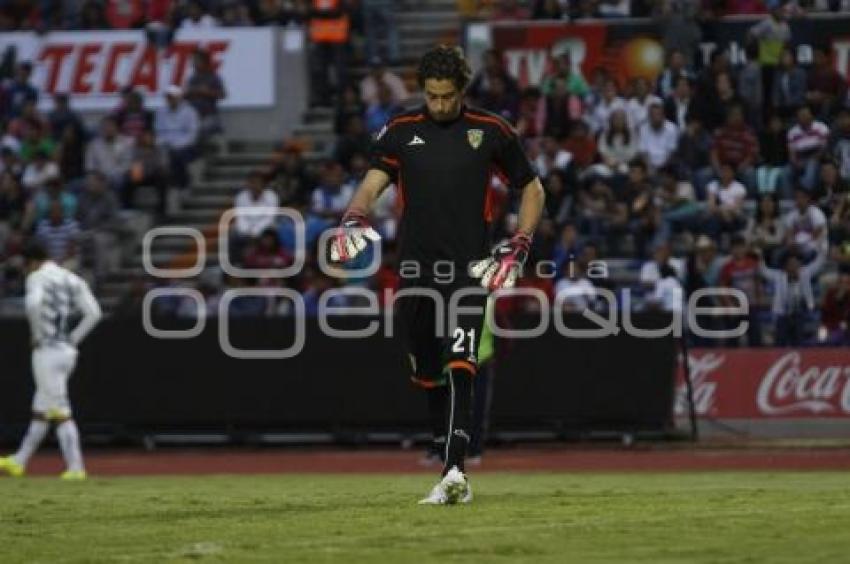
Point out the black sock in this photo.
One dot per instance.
(438, 399)
(460, 413)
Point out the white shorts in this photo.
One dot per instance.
(52, 366)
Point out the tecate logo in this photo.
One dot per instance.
(704, 390)
(787, 388)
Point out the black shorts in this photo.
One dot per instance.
(418, 315)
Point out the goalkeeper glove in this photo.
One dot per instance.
(351, 237)
(504, 265)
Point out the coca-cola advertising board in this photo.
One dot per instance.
(768, 383)
(93, 67)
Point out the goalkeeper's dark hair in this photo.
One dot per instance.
(445, 62)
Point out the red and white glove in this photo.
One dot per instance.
(502, 268)
(352, 237)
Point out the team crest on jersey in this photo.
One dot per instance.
(475, 137)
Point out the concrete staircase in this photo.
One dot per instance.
(218, 179)
(421, 25)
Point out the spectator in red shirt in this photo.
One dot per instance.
(267, 253)
(835, 313)
(531, 119)
(741, 272)
(826, 87)
(158, 10)
(125, 14)
(509, 10)
(745, 7)
(581, 145)
(132, 118)
(736, 144)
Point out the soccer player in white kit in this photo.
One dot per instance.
(53, 295)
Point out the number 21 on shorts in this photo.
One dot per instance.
(459, 337)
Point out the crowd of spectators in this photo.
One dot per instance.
(687, 10)
(723, 176)
(749, 163)
(700, 177)
(373, 19)
(72, 184)
(339, 31)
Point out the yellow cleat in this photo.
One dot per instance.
(74, 475)
(11, 467)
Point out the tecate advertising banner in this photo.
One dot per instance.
(768, 383)
(93, 67)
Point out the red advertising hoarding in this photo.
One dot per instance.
(634, 48)
(768, 383)
(625, 52)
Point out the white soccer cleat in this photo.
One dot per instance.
(436, 497)
(456, 487)
(453, 488)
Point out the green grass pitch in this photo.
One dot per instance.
(588, 518)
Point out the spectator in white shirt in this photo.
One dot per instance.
(39, 172)
(638, 106)
(110, 154)
(725, 203)
(552, 158)
(379, 75)
(657, 138)
(614, 8)
(261, 204)
(197, 17)
(668, 294)
(618, 146)
(575, 292)
(805, 226)
(806, 143)
(177, 126)
(650, 272)
(793, 296)
(255, 208)
(600, 112)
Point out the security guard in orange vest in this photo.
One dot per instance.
(330, 30)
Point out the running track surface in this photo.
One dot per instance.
(268, 461)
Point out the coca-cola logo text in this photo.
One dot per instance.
(705, 389)
(789, 388)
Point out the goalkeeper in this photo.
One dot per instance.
(441, 158)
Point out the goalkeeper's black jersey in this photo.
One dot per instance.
(442, 171)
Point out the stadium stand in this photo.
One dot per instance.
(719, 166)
